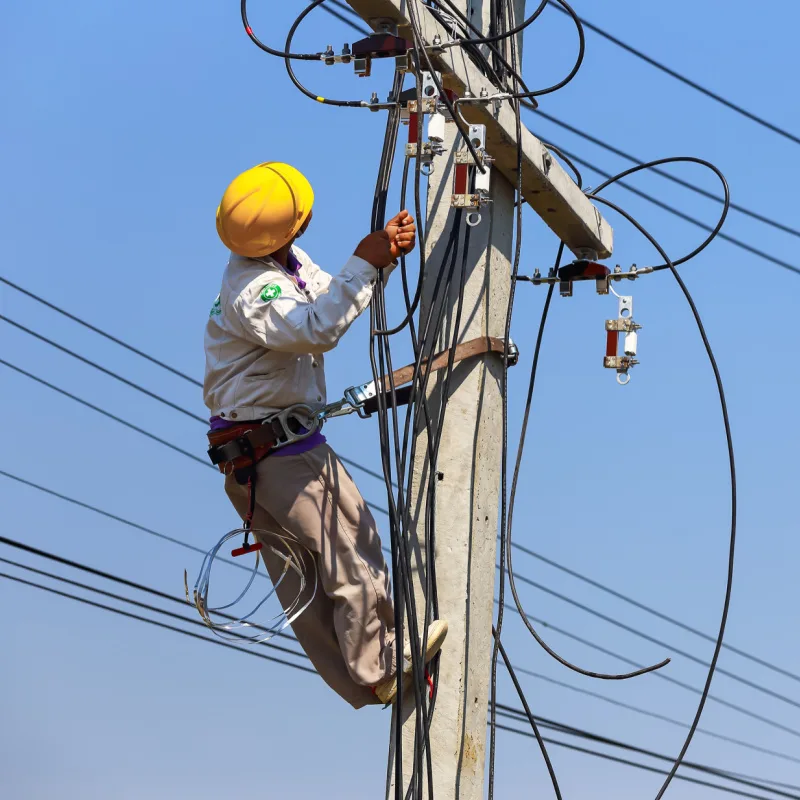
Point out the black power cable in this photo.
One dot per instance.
(102, 369)
(266, 48)
(506, 711)
(732, 465)
(656, 715)
(754, 782)
(511, 713)
(290, 70)
(99, 331)
(683, 79)
(662, 173)
(523, 670)
(650, 610)
(688, 218)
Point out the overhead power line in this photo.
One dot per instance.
(684, 79)
(154, 622)
(684, 216)
(100, 331)
(663, 173)
(523, 670)
(650, 610)
(104, 370)
(343, 18)
(635, 764)
(655, 640)
(350, 462)
(511, 712)
(748, 780)
(49, 341)
(663, 676)
(105, 413)
(653, 62)
(656, 715)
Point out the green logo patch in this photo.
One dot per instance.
(270, 292)
(216, 309)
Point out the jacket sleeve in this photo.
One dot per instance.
(322, 279)
(275, 316)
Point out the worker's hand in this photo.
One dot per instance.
(402, 233)
(376, 249)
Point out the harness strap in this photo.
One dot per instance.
(404, 375)
(470, 349)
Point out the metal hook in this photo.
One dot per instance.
(473, 219)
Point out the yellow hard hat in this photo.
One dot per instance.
(263, 209)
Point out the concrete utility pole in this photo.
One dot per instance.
(470, 452)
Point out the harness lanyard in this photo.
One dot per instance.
(251, 505)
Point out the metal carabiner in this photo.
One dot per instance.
(303, 415)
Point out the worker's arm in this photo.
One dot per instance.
(274, 313)
(401, 231)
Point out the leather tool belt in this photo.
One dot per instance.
(242, 445)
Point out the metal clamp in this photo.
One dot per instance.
(353, 402)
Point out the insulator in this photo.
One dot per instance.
(436, 127)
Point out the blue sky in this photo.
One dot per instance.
(122, 125)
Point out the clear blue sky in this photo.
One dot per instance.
(122, 123)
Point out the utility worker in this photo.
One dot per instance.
(275, 317)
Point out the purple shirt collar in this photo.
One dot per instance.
(293, 268)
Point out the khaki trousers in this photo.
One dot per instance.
(348, 630)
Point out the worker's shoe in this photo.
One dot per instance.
(386, 690)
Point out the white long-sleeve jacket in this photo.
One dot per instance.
(265, 336)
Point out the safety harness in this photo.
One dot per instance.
(236, 449)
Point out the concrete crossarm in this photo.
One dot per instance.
(546, 187)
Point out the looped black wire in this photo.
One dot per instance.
(290, 70)
(732, 463)
(578, 61)
(266, 48)
(514, 482)
(676, 160)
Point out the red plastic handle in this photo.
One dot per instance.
(251, 548)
